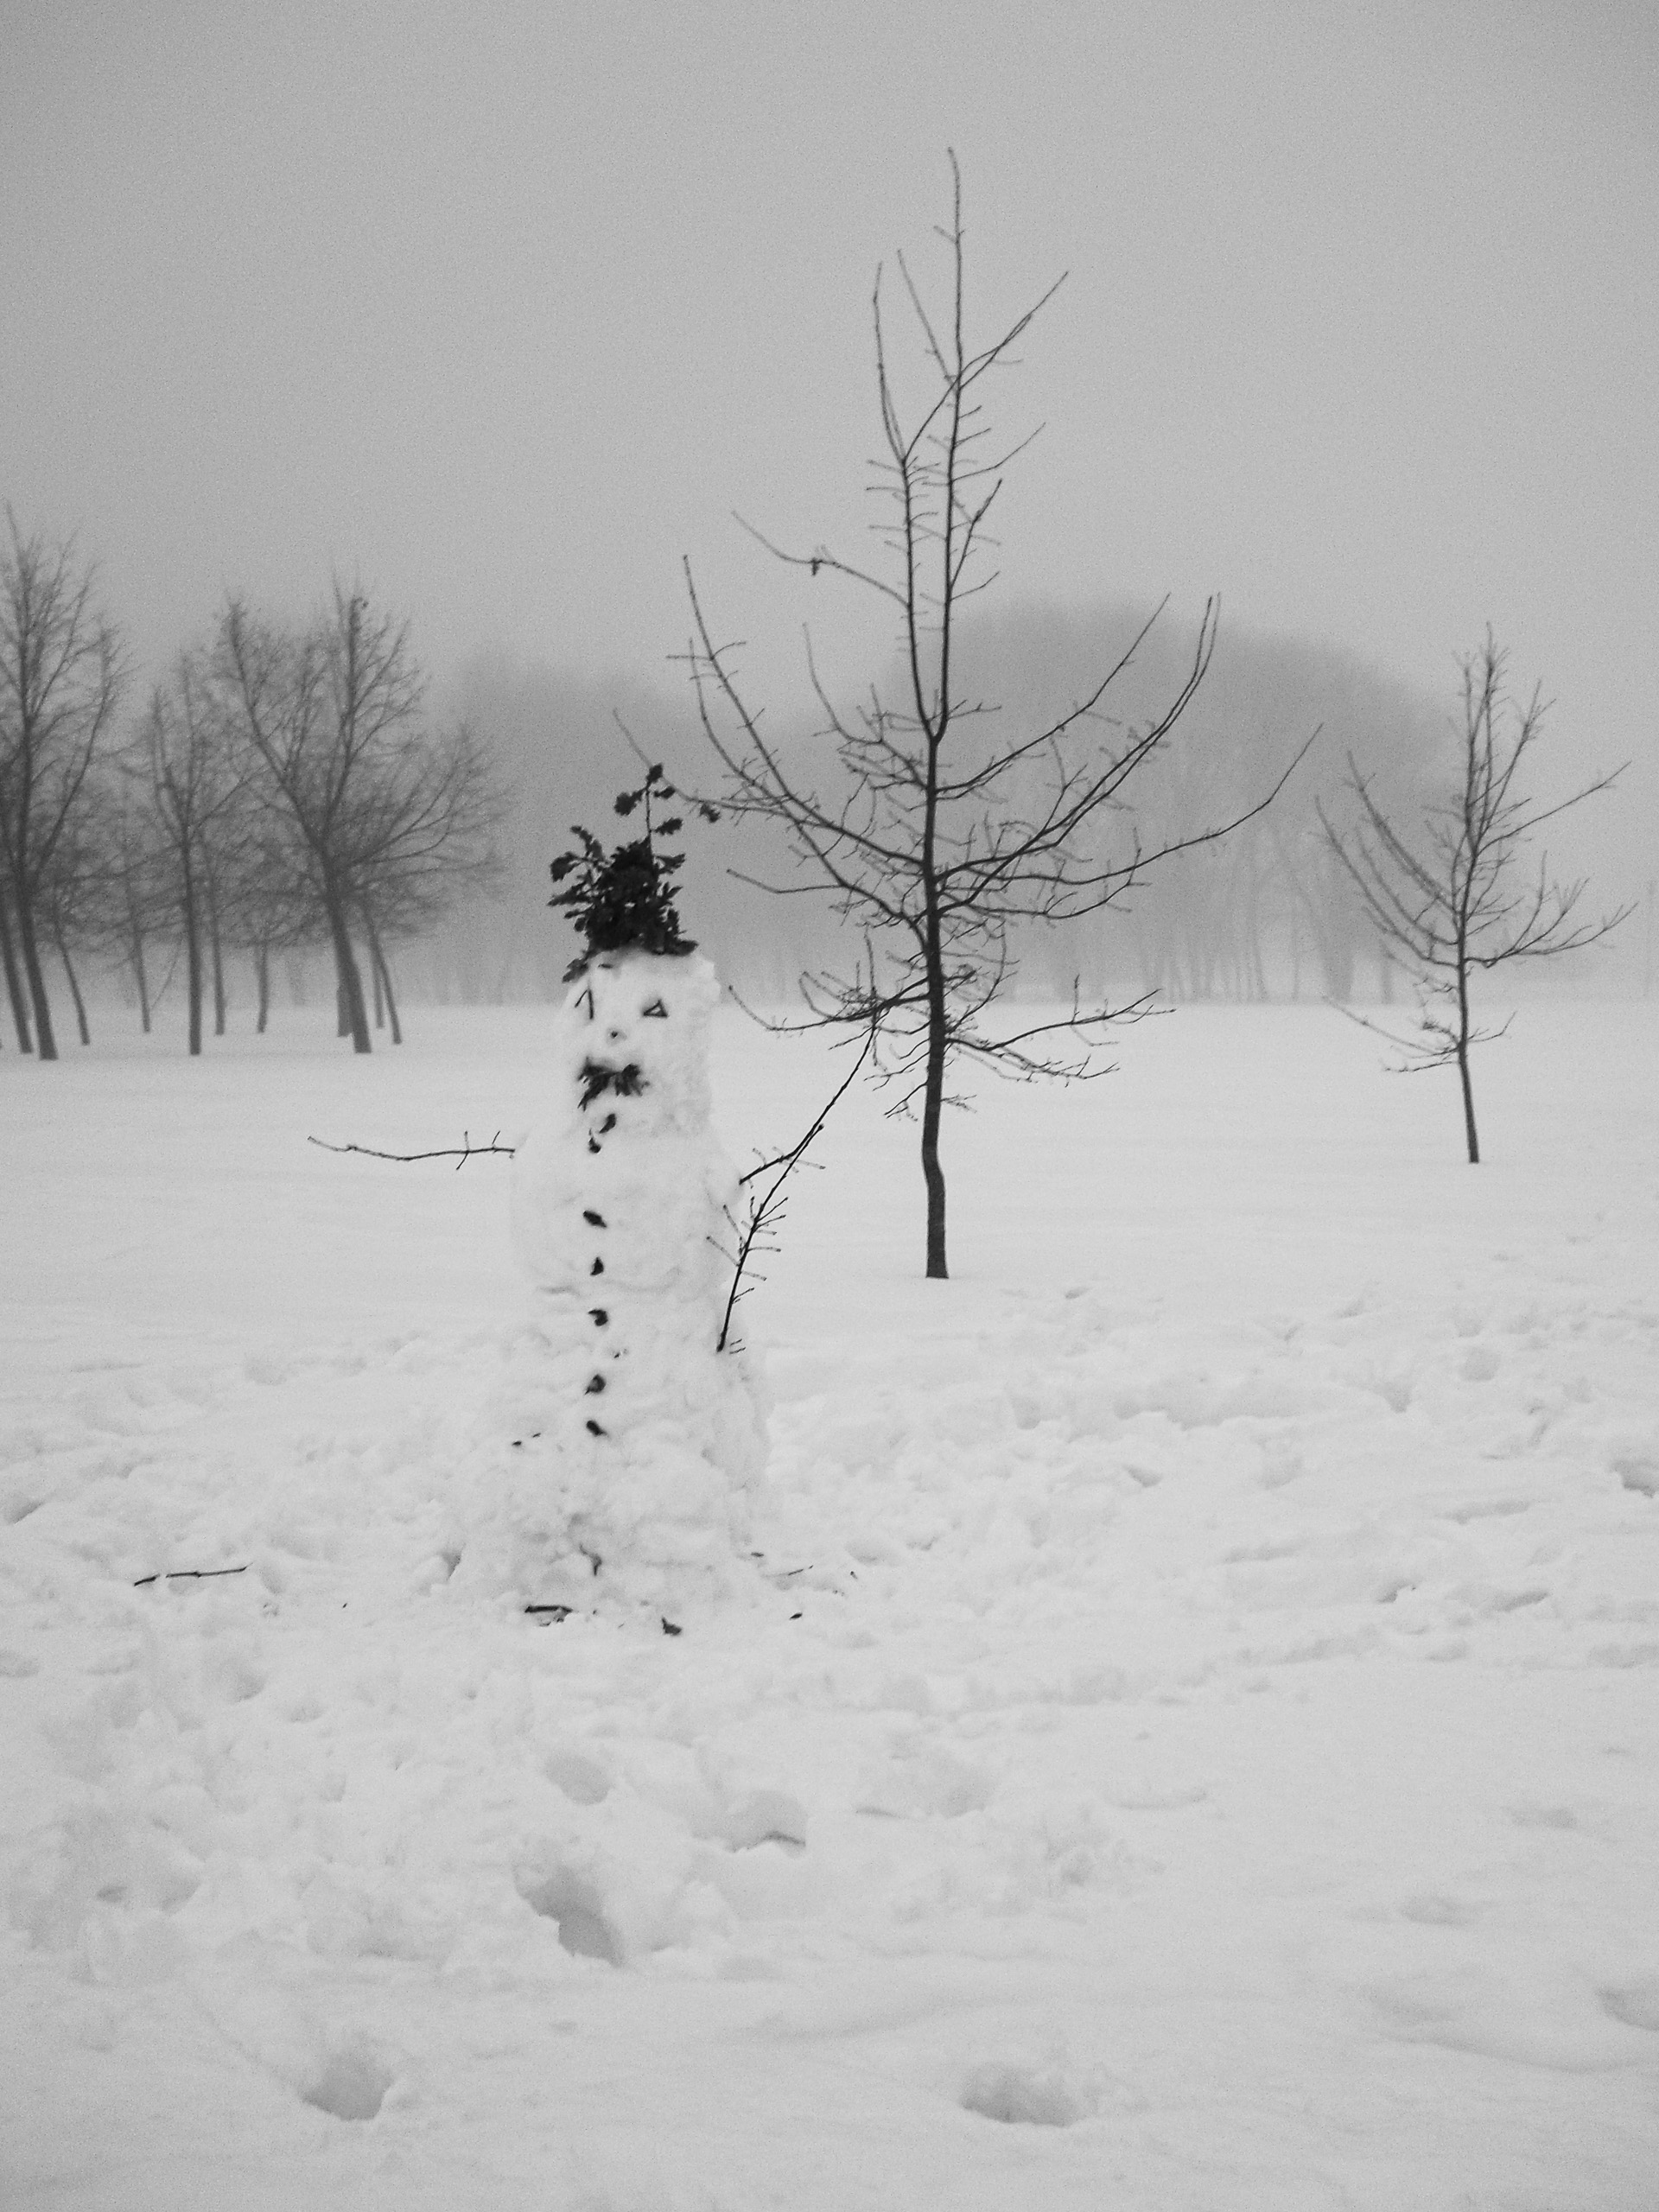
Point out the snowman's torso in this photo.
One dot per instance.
(639, 1441)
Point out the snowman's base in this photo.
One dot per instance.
(517, 1544)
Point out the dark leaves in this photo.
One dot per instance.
(623, 900)
(597, 1078)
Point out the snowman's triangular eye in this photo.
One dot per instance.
(655, 1012)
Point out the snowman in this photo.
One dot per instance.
(637, 1442)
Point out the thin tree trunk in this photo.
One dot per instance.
(86, 1035)
(382, 977)
(262, 976)
(1468, 1104)
(218, 951)
(1463, 1066)
(14, 980)
(932, 1173)
(1258, 967)
(374, 972)
(350, 978)
(391, 1004)
(140, 975)
(47, 1043)
(933, 1105)
(937, 1039)
(192, 955)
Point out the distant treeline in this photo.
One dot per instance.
(286, 805)
(280, 792)
(1266, 913)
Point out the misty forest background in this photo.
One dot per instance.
(187, 886)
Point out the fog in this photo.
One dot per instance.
(1265, 914)
(503, 313)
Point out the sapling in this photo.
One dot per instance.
(1454, 894)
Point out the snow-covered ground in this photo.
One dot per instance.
(1190, 1742)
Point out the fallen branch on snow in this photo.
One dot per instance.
(187, 1575)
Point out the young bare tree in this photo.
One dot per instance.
(939, 837)
(62, 676)
(1454, 893)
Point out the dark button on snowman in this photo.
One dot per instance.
(639, 1442)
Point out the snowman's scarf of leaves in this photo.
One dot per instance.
(623, 900)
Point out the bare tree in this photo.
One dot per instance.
(314, 742)
(1454, 894)
(62, 676)
(424, 837)
(380, 807)
(197, 781)
(941, 839)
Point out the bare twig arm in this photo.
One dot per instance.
(460, 1153)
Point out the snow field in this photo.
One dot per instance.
(1186, 1736)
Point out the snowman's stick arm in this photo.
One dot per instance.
(787, 1160)
(763, 1212)
(460, 1153)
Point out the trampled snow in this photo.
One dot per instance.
(1187, 1739)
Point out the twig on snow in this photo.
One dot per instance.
(187, 1575)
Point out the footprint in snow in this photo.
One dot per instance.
(351, 2084)
(1637, 2004)
(574, 1906)
(1033, 2096)
(582, 1779)
(1430, 1909)
(1638, 1471)
(765, 1817)
(1543, 1816)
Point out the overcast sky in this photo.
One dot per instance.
(502, 307)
